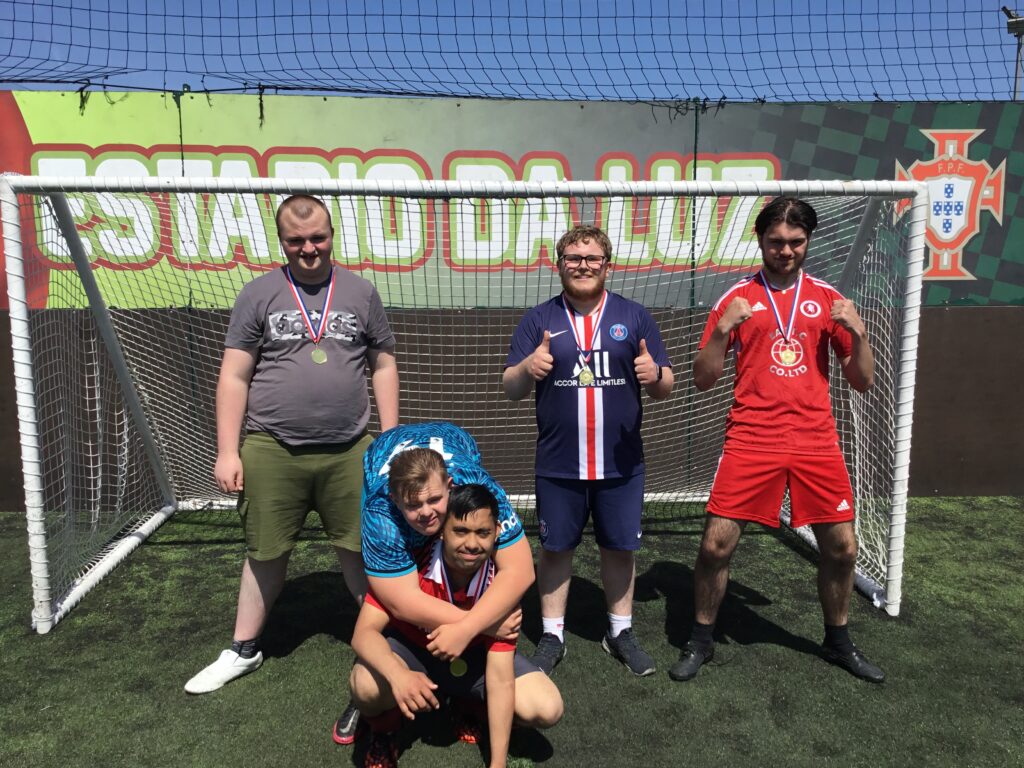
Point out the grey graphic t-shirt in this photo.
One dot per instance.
(295, 399)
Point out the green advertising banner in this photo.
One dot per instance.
(970, 155)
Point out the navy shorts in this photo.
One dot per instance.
(471, 684)
(564, 506)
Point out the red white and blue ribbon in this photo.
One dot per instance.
(314, 333)
(477, 585)
(585, 345)
(787, 330)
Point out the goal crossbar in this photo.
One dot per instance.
(884, 587)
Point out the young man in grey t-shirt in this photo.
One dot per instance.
(296, 351)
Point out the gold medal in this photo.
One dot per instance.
(319, 356)
(586, 377)
(788, 356)
(458, 667)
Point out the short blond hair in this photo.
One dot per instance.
(412, 469)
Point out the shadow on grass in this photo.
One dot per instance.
(586, 615)
(312, 604)
(738, 619)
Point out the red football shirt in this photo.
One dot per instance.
(781, 398)
(430, 569)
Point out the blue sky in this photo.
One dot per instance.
(809, 50)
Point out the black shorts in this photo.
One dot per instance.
(469, 685)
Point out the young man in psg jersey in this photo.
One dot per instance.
(782, 325)
(297, 347)
(590, 353)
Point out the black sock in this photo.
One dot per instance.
(701, 634)
(246, 648)
(838, 637)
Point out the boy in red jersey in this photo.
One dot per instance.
(780, 431)
(398, 673)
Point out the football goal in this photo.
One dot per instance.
(121, 288)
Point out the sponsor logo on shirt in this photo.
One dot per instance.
(600, 366)
(759, 307)
(787, 357)
(507, 525)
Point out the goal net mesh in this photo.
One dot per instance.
(456, 273)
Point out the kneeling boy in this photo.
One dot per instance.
(396, 675)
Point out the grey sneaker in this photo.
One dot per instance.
(346, 726)
(626, 649)
(549, 651)
(693, 657)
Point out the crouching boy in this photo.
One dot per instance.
(396, 675)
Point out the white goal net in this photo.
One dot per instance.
(120, 292)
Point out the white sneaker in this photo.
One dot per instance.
(228, 666)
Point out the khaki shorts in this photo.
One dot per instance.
(283, 484)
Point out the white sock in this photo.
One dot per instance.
(618, 623)
(555, 626)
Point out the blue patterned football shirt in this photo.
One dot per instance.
(390, 544)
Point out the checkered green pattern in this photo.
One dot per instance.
(865, 141)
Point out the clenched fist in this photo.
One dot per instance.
(845, 313)
(735, 315)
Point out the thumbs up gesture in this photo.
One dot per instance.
(541, 362)
(646, 368)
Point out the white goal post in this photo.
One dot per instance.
(120, 291)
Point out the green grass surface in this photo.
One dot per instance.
(104, 688)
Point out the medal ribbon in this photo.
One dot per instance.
(786, 331)
(482, 577)
(314, 334)
(586, 352)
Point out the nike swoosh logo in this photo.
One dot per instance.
(558, 333)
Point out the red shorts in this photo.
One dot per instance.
(749, 485)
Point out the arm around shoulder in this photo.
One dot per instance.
(402, 596)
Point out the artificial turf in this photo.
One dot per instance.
(104, 688)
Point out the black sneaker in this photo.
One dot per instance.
(626, 649)
(549, 651)
(853, 661)
(693, 657)
(345, 727)
(382, 752)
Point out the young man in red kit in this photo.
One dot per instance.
(780, 432)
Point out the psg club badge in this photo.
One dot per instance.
(618, 332)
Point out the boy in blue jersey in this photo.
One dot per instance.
(590, 354)
(405, 499)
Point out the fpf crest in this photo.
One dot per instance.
(959, 189)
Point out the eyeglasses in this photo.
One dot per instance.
(574, 260)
